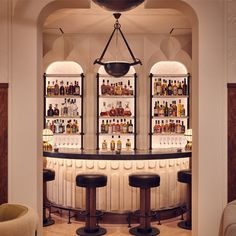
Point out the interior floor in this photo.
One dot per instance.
(61, 228)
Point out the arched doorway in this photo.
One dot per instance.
(205, 129)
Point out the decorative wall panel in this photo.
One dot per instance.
(117, 196)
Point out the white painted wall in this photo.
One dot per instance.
(209, 113)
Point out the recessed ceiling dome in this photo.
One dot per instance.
(118, 5)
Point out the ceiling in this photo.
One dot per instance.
(99, 21)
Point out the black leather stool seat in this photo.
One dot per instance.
(91, 180)
(185, 176)
(144, 180)
(48, 175)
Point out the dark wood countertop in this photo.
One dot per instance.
(132, 155)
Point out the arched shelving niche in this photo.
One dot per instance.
(63, 103)
(169, 105)
(116, 110)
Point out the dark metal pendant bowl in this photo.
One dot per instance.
(117, 69)
(118, 5)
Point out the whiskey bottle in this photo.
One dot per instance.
(155, 128)
(112, 144)
(182, 128)
(103, 127)
(104, 145)
(131, 127)
(56, 110)
(52, 89)
(128, 145)
(106, 127)
(62, 89)
(125, 127)
(182, 111)
(119, 144)
(170, 88)
(67, 88)
(49, 89)
(74, 127)
(110, 128)
(103, 88)
(158, 87)
(185, 87)
(56, 89)
(175, 89)
(180, 89)
(61, 127)
(156, 108)
(166, 110)
(113, 126)
(50, 111)
(77, 89)
(174, 107)
(179, 111)
(68, 127)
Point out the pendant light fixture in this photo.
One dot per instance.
(118, 5)
(117, 68)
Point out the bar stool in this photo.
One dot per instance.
(48, 175)
(185, 176)
(91, 182)
(144, 181)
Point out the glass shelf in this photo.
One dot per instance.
(117, 134)
(63, 117)
(65, 134)
(172, 134)
(170, 96)
(170, 117)
(64, 96)
(116, 96)
(116, 117)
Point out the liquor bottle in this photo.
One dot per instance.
(108, 88)
(182, 111)
(155, 128)
(112, 144)
(174, 107)
(61, 127)
(104, 111)
(170, 111)
(113, 111)
(50, 111)
(52, 127)
(56, 110)
(131, 127)
(180, 89)
(68, 127)
(156, 108)
(127, 111)
(65, 108)
(48, 125)
(62, 89)
(49, 93)
(119, 144)
(175, 89)
(170, 89)
(75, 108)
(158, 87)
(73, 88)
(57, 130)
(70, 106)
(117, 127)
(74, 127)
(185, 87)
(67, 88)
(131, 90)
(103, 127)
(166, 110)
(125, 127)
(110, 128)
(125, 90)
(121, 125)
(172, 129)
(162, 126)
(104, 145)
(56, 89)
(182, 128)
(118, 90)
(106, 127)
(120, 109)
(70, 89)
(52, 88)
(179, 111)
(161, 112)
(155, 87)
(179, 128)
(103, 88)
(165, 88)
(112, 89)
(128, 145)
(77, 89)
(113, 126)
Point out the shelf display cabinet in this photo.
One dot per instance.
(116, 113)
(63, 109)
(169, 110)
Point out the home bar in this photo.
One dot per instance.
(134, 165)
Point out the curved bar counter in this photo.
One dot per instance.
(117, 196)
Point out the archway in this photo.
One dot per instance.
(27, 41)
